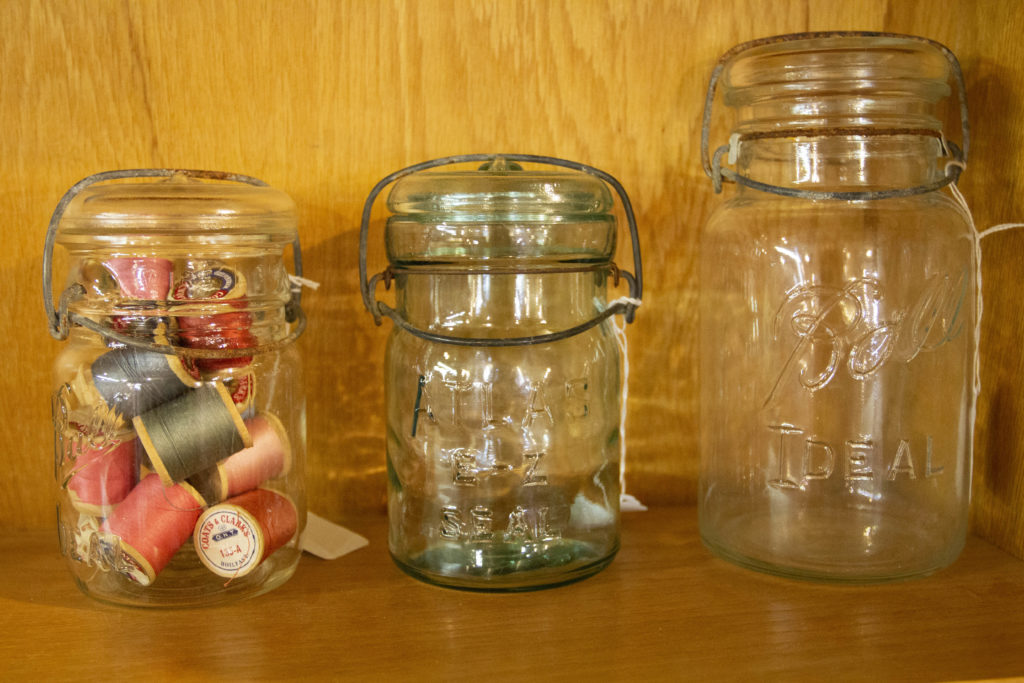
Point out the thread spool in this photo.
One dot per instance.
(209, 281)
(243, 391)
(210, 483)
(232, 538)
(102, 477)
(142, 281)
(268, 457)
(218, 331)
(192, 433)
(147, 278)
(151, 524)
(131, 381)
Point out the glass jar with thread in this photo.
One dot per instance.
(837, 312)
(178, 405)
(502, 370)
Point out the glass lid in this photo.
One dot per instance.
(179, 207)
(500, 190)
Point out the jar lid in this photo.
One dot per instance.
(178, 208)
(500, 190)
(836, 63)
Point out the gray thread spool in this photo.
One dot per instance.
(211, 484)
(132, 381)
(192, 432)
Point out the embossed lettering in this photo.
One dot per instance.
(531, 478)
(819, 460)
(857, 467)
(517, 527)
(929, 469)
(902, 463)
(782, 480)
(829, 323)
(577, 405)
(463, 467)
(863, 459)
(483, 522)
(451, 522)
(545, 531)
(522, 524)
(536, 406)
(455, 389)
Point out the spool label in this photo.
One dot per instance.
(228, 541)
(241, 390)
(210, 282)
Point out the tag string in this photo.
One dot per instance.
(977, 237)
(626, 501)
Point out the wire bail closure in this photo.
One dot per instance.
(378, 309)
(60, 319)
(720, 173)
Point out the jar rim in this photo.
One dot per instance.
(178, 207)
(843, 59)
(500, 191)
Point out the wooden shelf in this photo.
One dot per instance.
(664, 610)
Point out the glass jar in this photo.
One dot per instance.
(502, 372)
(178, 407)
(837, 315)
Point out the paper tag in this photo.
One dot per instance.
(629, 503)
(328, 540)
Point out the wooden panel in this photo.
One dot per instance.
(323, 99)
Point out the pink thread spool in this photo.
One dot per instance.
(146, 278)
(152, 523)
(102, 477)
(269, 457)
(234, 537)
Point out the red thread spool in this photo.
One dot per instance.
(152, 522)
(147, 278)
(234, 537)
(102, 477)
(220, 331)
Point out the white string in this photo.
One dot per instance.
(978, 300)
(626, 501)
(303, 282)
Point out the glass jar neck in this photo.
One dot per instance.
(495, 305)
(842, 163)
(839, 112)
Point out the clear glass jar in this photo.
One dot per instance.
(178, 406)
(837, 317)
(503, 419)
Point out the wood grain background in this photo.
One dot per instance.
(322, 99)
